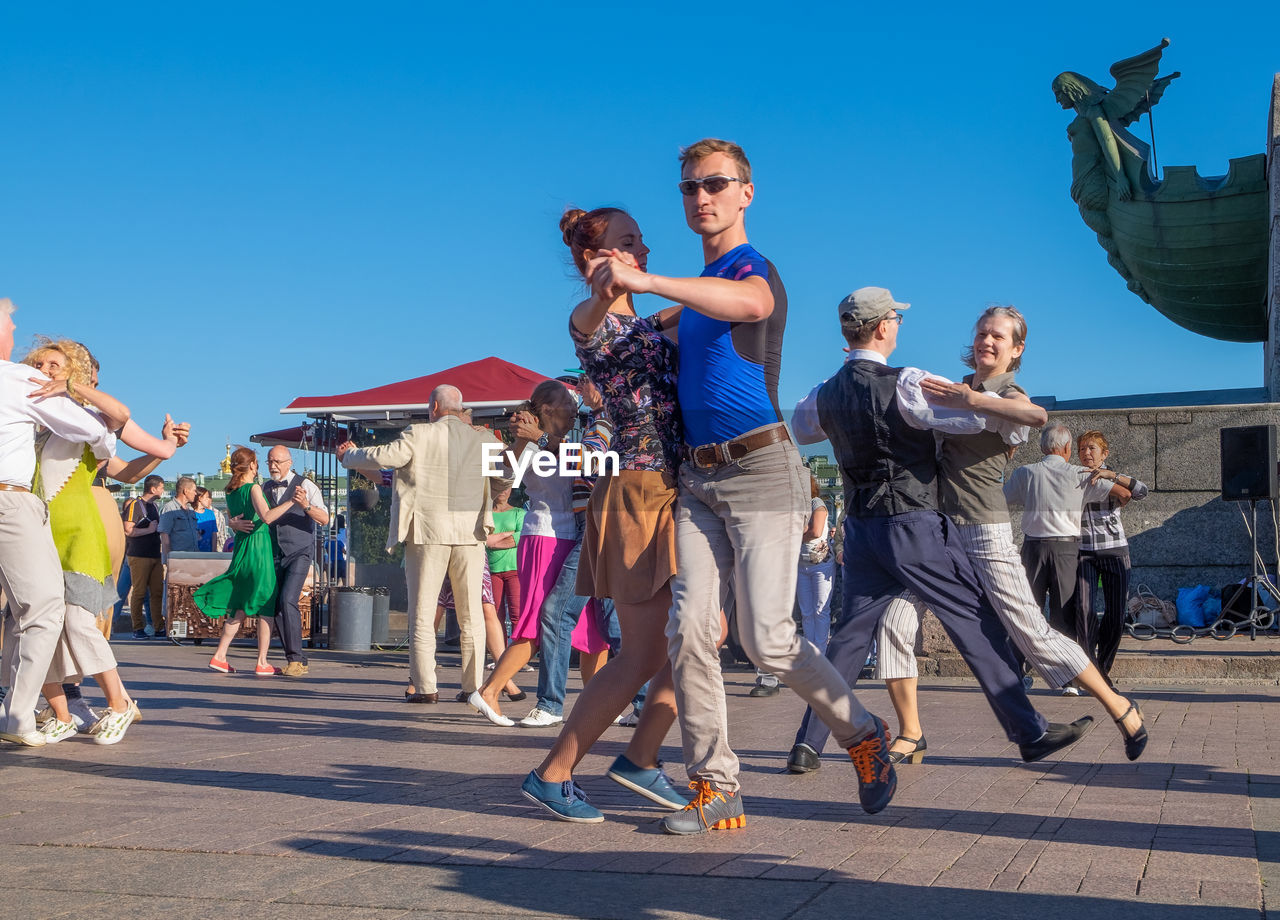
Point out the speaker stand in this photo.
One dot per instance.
(1256, 607)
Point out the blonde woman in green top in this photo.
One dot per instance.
(64, 478)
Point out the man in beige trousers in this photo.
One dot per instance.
(440, 511)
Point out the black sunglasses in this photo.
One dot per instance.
(713, 184)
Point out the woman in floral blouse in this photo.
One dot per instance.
(628, 552)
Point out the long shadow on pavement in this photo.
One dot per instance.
(470, 793)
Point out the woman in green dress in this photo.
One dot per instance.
(248, 588)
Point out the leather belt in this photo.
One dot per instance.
(1052, 539)
(711, 456)
(5, 487)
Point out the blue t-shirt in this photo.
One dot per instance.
(207, 531)
(728, 381)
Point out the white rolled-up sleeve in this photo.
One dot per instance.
(918, 413)
(69, 420)
(805, 426)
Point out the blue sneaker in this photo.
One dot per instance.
(877, 780)
(565, 800)
(653, 784)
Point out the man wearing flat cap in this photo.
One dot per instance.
(882, 428)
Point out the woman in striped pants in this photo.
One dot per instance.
(971, 495)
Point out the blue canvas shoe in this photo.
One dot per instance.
(653, 784)
(565, 800)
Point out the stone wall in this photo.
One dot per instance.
(1183, 533)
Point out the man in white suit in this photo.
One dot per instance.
(440, 511)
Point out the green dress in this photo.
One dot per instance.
(249, 584)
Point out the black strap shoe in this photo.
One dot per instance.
(1055, 739)
(915, 755)
(1136, 743)
(803, 759)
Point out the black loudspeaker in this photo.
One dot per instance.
(1249, 464)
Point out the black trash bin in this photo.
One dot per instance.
(350, 619)
(381, 616)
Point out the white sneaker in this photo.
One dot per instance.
(82, 717)
(628, 720)
(27, 739)
(1070, 691)
(540, 718)
(55, 731)
(113, 726)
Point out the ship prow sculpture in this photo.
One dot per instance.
(1194, 248)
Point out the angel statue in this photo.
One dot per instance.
(1106, 161)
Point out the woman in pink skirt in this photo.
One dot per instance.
(549, 534)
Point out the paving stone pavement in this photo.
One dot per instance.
(239, 796)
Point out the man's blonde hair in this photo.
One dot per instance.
(709, 145)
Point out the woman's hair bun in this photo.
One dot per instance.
(569, 222)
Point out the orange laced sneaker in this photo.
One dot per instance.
(712, 809)
(876, 778)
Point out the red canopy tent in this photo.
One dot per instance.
(299, 437)
(489, 383)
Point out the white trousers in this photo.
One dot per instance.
(1004, 579)
(32, 580)
(425, 565)
(82, 649)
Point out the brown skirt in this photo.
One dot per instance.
(629, 548)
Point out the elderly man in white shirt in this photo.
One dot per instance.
(1052, 493)
(29, 569)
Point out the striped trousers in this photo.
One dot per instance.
(922, 551)
(1101, 638)
(1004, 580)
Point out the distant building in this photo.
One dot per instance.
(828, 476)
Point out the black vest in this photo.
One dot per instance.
(888, 467)
(293, 533)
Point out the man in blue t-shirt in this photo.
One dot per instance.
(743, 499)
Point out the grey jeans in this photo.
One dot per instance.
(740, 525)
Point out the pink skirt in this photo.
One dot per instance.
(538, 563)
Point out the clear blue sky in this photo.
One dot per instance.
(238, 204)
